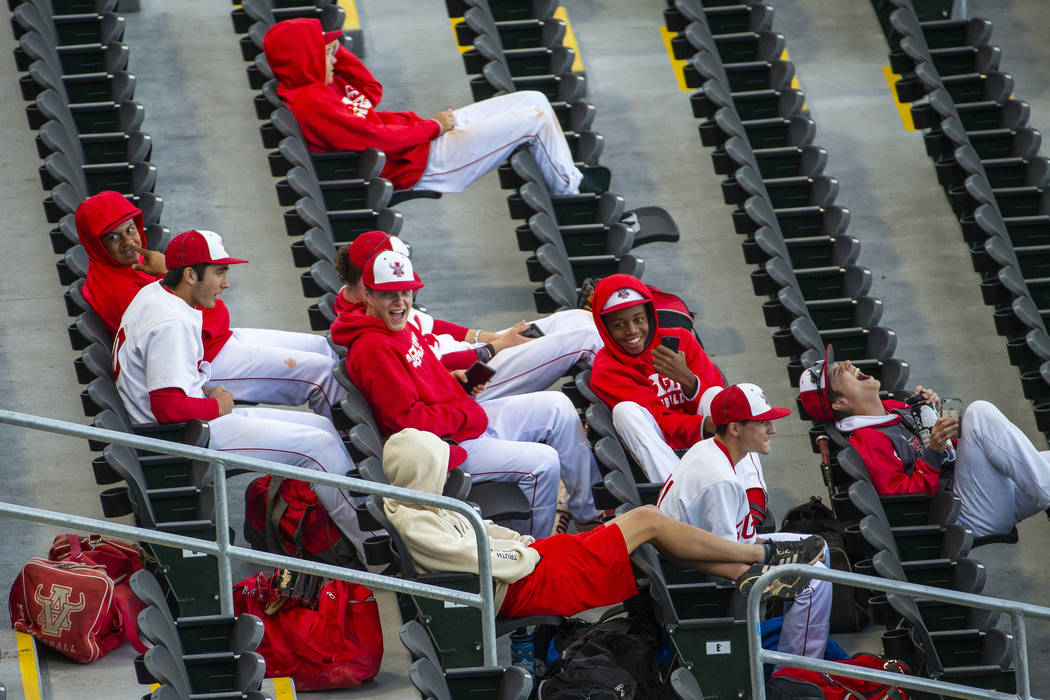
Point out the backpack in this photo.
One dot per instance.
(329, 640)
(849, 612)
(616, 658)
(284, 516)
(78, 601)
(798, 684)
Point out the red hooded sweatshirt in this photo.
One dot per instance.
(617, 376)
(405, 383)
(342, 116)
(110, 286)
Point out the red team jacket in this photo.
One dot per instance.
(617, 376)
(343, 116)
(892, 470)
(110, 286)
(405, 383)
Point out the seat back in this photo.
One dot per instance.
(162, 665)
(426, 676)
(157, 627)
(418, 643)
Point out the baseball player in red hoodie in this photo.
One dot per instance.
(522, 364)
(258, 364)
(407, 387)
(334, 98)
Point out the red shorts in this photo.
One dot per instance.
(577, 573)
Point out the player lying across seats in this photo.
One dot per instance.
(522, 364)
(567, 573)
(258, 364)
(161, 375)
(1000, 477)
(334, 98)
(407, 387)
(707, 490)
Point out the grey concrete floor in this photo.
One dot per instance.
(213, 174)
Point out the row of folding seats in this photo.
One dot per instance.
(519, 46)
(79, 95)
(986, 156)
(818, 294)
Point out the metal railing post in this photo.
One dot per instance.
(222, 537)
(1024, 689)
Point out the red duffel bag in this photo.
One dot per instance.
(338, 644)
(78, 602)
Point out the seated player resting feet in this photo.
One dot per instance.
(1000, 477)
(523, 364)
(334, 98)
(533, 440)
(562, 574)
(707, 491)
(259, 364)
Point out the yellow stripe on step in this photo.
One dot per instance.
(570, 39)
(283, 688)
(903, 108)
(28, 666)
(352, 21)
(677, 66)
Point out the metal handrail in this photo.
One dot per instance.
(1017, 611)
(225, 552)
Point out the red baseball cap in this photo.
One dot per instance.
(331, 36)
(389, 271)
(743, 402)
(196, 247)
(369, 243)
(813, 389)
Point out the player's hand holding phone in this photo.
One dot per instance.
(224, 397)
(511, 337)
(668, 361)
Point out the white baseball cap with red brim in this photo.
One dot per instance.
(390, 271)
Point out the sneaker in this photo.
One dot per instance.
(807, 551)
(597, 520)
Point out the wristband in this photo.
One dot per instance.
(486, 352)
(477, 332)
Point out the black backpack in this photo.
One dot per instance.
(611, 659)
(849, 611)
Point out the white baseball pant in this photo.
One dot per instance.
(279, 367)
(1000, 477)
(485, 135)
(510, 450)
(568, 337)
(641, 435)
(297, 438)
(807, 617)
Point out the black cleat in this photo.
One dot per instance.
(807, 551)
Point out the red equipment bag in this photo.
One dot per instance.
(284, 516)
(797, 684)
(78, 601)
(337, 645)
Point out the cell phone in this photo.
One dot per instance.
(533, 331)
(670, 342)
(477, 374)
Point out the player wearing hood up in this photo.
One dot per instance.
(566, 573)
(258, 364)
(660, 398)
(334, 98)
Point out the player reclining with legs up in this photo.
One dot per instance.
(522, 363)
(567, 573)
(334, 98)
(658, 381)
(707, 490)
(407, 387)
(162, 376)
(1000, 477)
(259, 364)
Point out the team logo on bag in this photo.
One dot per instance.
(56, 609)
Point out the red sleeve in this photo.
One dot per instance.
(613, 382)
(375, 367)
(886, 469)
(756, 497)
(324, 119)
(350, 68)
(701, 365)
(460, 359)
(171, 405)
(445, 328)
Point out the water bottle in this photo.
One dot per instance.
(522, 652)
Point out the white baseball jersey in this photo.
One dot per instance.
(158, 345)
(704, 490)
